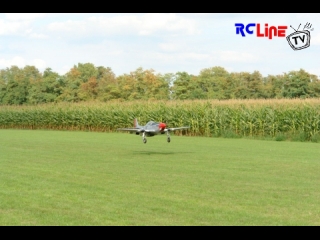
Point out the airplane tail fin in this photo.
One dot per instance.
(135, 123)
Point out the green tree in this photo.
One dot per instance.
(296, 84)
(255, 85)
(273, 86)
(143, 84)
(89, 89)
(184, 86)
(167, 79)
(87, 71)
(248, 85)
(155, 86)
(3, 85)
(108, 87)
(74, 90)
(18, 81)
(45, 89)
(72, 82)
(241, 90)
(215, 83)
(314, 86)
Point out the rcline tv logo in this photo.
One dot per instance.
(300, 39)
(269, 32)
(297, 40)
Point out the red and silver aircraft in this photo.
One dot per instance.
(151, 129)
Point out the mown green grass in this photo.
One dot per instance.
(90, 178)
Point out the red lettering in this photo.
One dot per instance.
(274, 31)
(266, 29)
(258, 31)
(281, 31)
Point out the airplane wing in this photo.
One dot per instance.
(177, 128)
(131, 129)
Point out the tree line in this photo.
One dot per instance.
(84, 82)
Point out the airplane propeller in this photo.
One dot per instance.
(162, 126)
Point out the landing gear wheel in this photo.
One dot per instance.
(144, 140)
(168, 139)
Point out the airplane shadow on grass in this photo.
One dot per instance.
(158, 153)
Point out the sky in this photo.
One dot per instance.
(164, 42)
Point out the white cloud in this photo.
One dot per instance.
(38, 63)
(315, 40)
(315, 71)
(23, 16)
(38, 36)
(21, 62)
(7, 27)
(19, 24)
(170, 47)
(15, 61)
(68, 26)
(64, 69)
(174, 59)
(168, 22)
(126, 24)
(237, 56)
(21, 28)
(195, 56)
(229, 69)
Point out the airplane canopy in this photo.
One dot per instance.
(152, 123)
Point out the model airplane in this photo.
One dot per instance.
(151, 129)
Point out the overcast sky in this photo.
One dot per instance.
(167, 43)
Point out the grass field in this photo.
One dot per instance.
(90, 178)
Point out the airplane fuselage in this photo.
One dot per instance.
(151, 129)
(154, 129)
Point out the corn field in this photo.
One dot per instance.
(262, 118)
